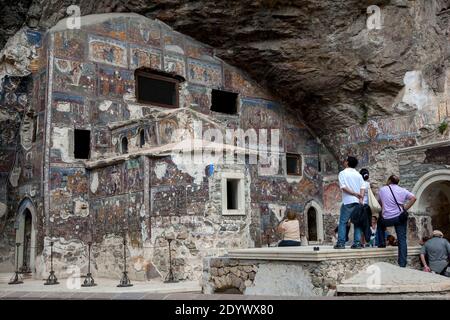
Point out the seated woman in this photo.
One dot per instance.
(290, 230)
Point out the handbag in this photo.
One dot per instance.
(373, 202)
(357, 216)
(403, 213)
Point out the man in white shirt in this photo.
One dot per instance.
(352, 186)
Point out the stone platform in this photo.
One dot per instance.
(307, 253)
(288, 271)
(385, 278)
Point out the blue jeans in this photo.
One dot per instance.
(400, 230)
(344, 217)
(289, 243)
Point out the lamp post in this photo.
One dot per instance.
(51, 280)
(124, 281)
(89, 281)
(170, 276)
(16, 278)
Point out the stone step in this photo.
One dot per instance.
(386, 278)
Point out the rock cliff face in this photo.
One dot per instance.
(317, 56)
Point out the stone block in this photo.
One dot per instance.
(316, 281)
(236, 282)
(247, 268)
(214, 271)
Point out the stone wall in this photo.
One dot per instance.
(286, 278)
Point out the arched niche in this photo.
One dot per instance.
(25, 225)
(313, 214)
(433, 199)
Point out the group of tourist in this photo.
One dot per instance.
(393, 200)
(360, 207)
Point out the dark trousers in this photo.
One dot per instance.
(344, 216)
(289, 243)
(444, 272)
(400, 229)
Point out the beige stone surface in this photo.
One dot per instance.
(308, 254)
(386, 278)
(103, 286)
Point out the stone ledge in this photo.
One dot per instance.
(424, 146)
(308, 253)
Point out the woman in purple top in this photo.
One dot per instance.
(391, 213)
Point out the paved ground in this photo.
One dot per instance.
(109, 286)
(25, 295)
(148, 290)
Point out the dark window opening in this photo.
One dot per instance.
(141, 138)
(27, 241)
(156, 89)
(82, 144)
(293, 164)
(232, 194)
(224, 101)
(124, 145)
(312, 224)
(247, 150)
(235, 144)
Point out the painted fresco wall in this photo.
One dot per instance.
(21, 141)
(151, 198)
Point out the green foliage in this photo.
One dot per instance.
(365, 116)
(443, 127)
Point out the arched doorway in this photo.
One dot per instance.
(26, 236)
(124, 145)
(26, 240)
(314, 223)
(433, 199)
